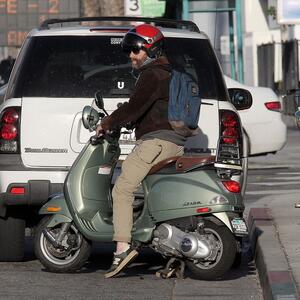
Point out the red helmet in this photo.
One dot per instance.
(146, 37)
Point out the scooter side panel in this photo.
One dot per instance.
(181, 195)
(161, 216)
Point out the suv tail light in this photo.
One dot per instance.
(10, 130)
(230, 146)
(274, 105)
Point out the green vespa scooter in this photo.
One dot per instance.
(192, 212)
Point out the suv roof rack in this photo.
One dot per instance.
(167, 23)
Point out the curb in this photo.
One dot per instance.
(275, 275)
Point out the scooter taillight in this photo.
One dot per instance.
(9, 130)
(230, 146)
(203, 210)
(232, 186)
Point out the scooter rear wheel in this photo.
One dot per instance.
(64, 259)
(226, 249)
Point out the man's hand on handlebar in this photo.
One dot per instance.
(99, 130)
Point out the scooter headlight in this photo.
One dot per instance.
(218, 200)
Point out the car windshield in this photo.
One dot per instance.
(78, 66)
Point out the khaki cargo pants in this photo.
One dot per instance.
(134, 169)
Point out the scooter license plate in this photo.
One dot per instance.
(239, 226)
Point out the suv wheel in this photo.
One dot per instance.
(12, 237)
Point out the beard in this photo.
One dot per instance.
(136, 64)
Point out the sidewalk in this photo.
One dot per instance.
(274, 227)
(274, 235)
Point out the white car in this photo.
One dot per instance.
(262, 122)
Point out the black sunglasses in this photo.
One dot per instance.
(134, 49)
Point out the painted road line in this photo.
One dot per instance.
(288, 173)
(272, 192)
(283, 178)
(268, 183)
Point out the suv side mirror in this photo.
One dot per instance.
(240, 98)
(99, 100)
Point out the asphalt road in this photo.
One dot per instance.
(270, 175)
(28, 280)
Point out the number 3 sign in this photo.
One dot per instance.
(132, 7)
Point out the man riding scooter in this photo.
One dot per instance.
(147, 108)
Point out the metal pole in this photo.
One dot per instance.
(185, 10)
(231, 45)
(239, 41)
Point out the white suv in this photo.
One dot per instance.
(56, 74)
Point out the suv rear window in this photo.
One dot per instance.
(78, 66)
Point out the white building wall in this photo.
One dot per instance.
(257, 27)
(254, 17)
(257, 30)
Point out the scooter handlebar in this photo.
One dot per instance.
(108, 135)
(95, 140)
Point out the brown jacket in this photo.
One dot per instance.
(148, 105)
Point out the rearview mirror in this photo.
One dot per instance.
(240, 98)
(90, 118)
(99, 100)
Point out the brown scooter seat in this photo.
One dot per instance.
(183, 163)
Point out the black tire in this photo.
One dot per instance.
(211, 270)
(12, 237)
(52, 258)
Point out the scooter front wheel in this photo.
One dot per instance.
(68, 256)
(224, 249)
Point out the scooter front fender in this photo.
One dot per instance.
(57, 207)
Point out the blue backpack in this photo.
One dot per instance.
(184, 103)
